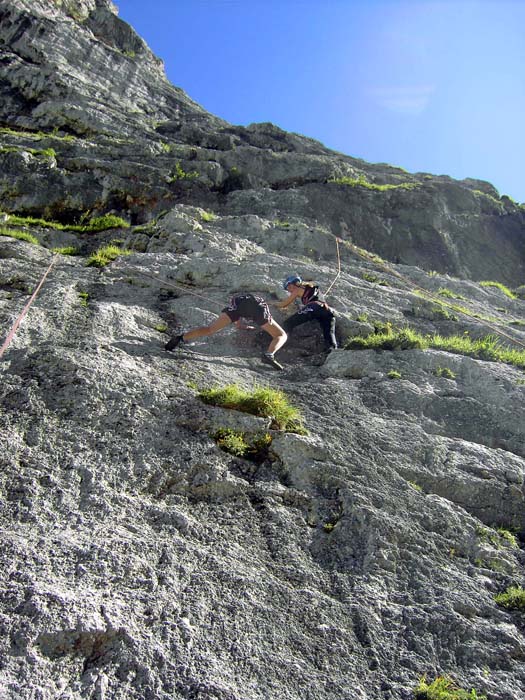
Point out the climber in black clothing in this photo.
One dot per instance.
(313, 309)
(249, 306)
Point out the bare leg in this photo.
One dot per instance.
(278, 334)
(217, 325)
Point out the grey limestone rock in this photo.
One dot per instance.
(142, 561)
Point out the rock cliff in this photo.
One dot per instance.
(140, 559)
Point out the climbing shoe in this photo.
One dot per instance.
(173, 342)
(269, 359)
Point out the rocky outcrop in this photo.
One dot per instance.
(140, 559)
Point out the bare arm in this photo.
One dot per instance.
(286, 302)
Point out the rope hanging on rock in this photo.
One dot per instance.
(164, 283)
(338, 268)
(24, 311)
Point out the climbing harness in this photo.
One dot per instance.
(24, 311)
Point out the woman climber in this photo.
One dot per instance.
(313, 309)
(248, 306)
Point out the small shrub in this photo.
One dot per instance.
(161, 328)
(394, 374)
(208, 216)
(181, 174)
(231, 441)
(445, 372)
(512, 599)
(261, 401)
(84, 298)
(444, 688)
(105, 255)
(255, 447)
(362, 318)
(415, 486)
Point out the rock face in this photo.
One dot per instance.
(90, 123)
(139, 559)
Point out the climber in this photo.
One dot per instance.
(248, 306)
(312, 309)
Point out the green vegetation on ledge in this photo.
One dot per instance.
(362, 182)
(105, 255)
(97, 223)
(444, 688)
(486, 348)
(261, 401)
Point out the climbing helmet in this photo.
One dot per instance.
(292, 279)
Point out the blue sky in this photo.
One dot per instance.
(432, 86)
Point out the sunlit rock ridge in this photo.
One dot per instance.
(139, 559)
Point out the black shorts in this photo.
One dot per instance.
(248, 306)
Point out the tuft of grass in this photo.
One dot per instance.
(444, 688)
(513, 598)
(161, 328)
(208, 216)
(486, 348)
(97, 223)
(261, 401)
(68, 250)
(105, 255)
(19, 235)
(84, 298)
(501, 287)
(394, 374)
(444, 292)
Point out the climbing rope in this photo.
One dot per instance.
(338, 268)
(24, 311)
(164, 283)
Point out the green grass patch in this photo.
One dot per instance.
(105, 255)
(260, 401)
(19, 235)
(486, 348)
(68, 250)
(394, 374)
(499, 537)
(361, 181)
(512, 599)
(208, 216)
(444, 292)
(444, 688)
(501, 287)
(97, 223)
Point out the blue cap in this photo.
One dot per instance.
(292, 279)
